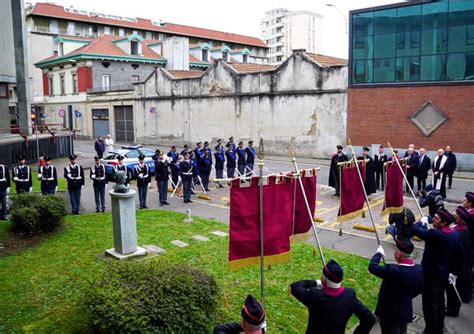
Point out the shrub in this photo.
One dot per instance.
(137, 297)
(31, 213)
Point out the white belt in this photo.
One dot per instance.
(3, 180)
(48, 179)
(75, 178)
(190, 173)
(23, 180)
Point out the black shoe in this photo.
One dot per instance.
(103, 209)
(207, 190)
(166, 203)
(452, 313)
(186, 202)
(97, 211)
(161, 204)
(336, 195)
(190, 201)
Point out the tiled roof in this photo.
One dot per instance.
(52, 10)
(104, 45)
(251, 68)
(185, 74)
(327, 61)
(196, 60)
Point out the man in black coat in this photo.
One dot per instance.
(231, 160)
(99, 181)
(451, 165)
(424, 166)
(48, 176)
(174, 157)
(401, 283)
(99, 147)
(432, 199)
(441, 245)
(4, 189)
(379, 160)
(334, 169)
(253, 319)
(412, 164)
(369, 183)
(250, 160)
(162, 175)
(330, 305)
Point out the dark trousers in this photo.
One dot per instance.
(464, 282)
(51, 191)
(205, 181)
(22, 187)
(75, 198)
(99, 194)
(379, 180)
(449, 176)
(335, 175)
(3, 200)
(230, 172)
(434, 304)
(163, 191)
(142, 192)
(249, 169)
(219, 173)
(411, 181)
(174, 177)
(453, 304)
(393, 329)
(421, 183)
(241, 169)
(186, 190)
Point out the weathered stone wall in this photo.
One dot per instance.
(299, 104)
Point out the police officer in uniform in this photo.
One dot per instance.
(230, 157)
(205, 169)
(219, 156)
(334, 169)
(142, 173)
(48, 176)
(379, 160)
(241, 156)
(98, 177)
(22, 176)
(401, 282)
(186, 168)
(174, 156)
(4, 189)
(121, 167)
(250, 152)
(162, 176)
(74, 175)
(330, 305)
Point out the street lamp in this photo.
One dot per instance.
(342, 13)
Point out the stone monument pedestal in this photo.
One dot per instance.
(125, 226)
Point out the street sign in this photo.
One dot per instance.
(78, 114)
(61, 112)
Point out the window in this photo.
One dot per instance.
(225, 55)
(245, 58)
(134, 48)
(3, 90)
(41, 24)
(75, 88)
(106, 82)
(205, 55)
(61, 49)
(51, 86)
(62, 84)
(470, 34)
(135, 78)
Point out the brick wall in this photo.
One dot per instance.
(375, 115)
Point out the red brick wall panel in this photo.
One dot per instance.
(377, 115)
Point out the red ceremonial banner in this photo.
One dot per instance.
(394, 188)
(244, 241)
(302, 221)
(352, 193)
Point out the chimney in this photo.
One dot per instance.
(176, 52)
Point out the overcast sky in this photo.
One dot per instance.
(242, 17)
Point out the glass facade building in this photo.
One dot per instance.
(413, 42)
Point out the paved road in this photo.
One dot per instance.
(353, 241)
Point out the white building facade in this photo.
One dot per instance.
(284, 31)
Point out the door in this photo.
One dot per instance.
(100, 122)
(124, 131)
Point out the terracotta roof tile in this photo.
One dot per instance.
(52, 10)
(186, 74)
(327, 61)
(251, 68)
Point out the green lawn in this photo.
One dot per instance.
(62, 184)
(41, 287)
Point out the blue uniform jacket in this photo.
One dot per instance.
(241, 156)
(400, 284)
(230, 156)
(250, 155)
(186, 169)
(220, 159)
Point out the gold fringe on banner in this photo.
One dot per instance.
(299, 237)
(254, 261)
(350, 216)
(394, 209)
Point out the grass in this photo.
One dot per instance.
(62, 183)
(42, 287)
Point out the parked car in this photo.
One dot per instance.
(130, 154)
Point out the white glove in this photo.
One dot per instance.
(452, 279)
(93, 176)
(15, 179)
(424, 220)
(31, 189)
(380, 250)
(140, 176)
(69, 175)
(56, 189)
(82, 187)
(8, 190)
(40, 176)
(106, 185)
(319, 284)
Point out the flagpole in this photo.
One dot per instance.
(365, 192)
(394, 157)
(313, 225)
(261, 155)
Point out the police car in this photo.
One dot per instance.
(130, 154)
